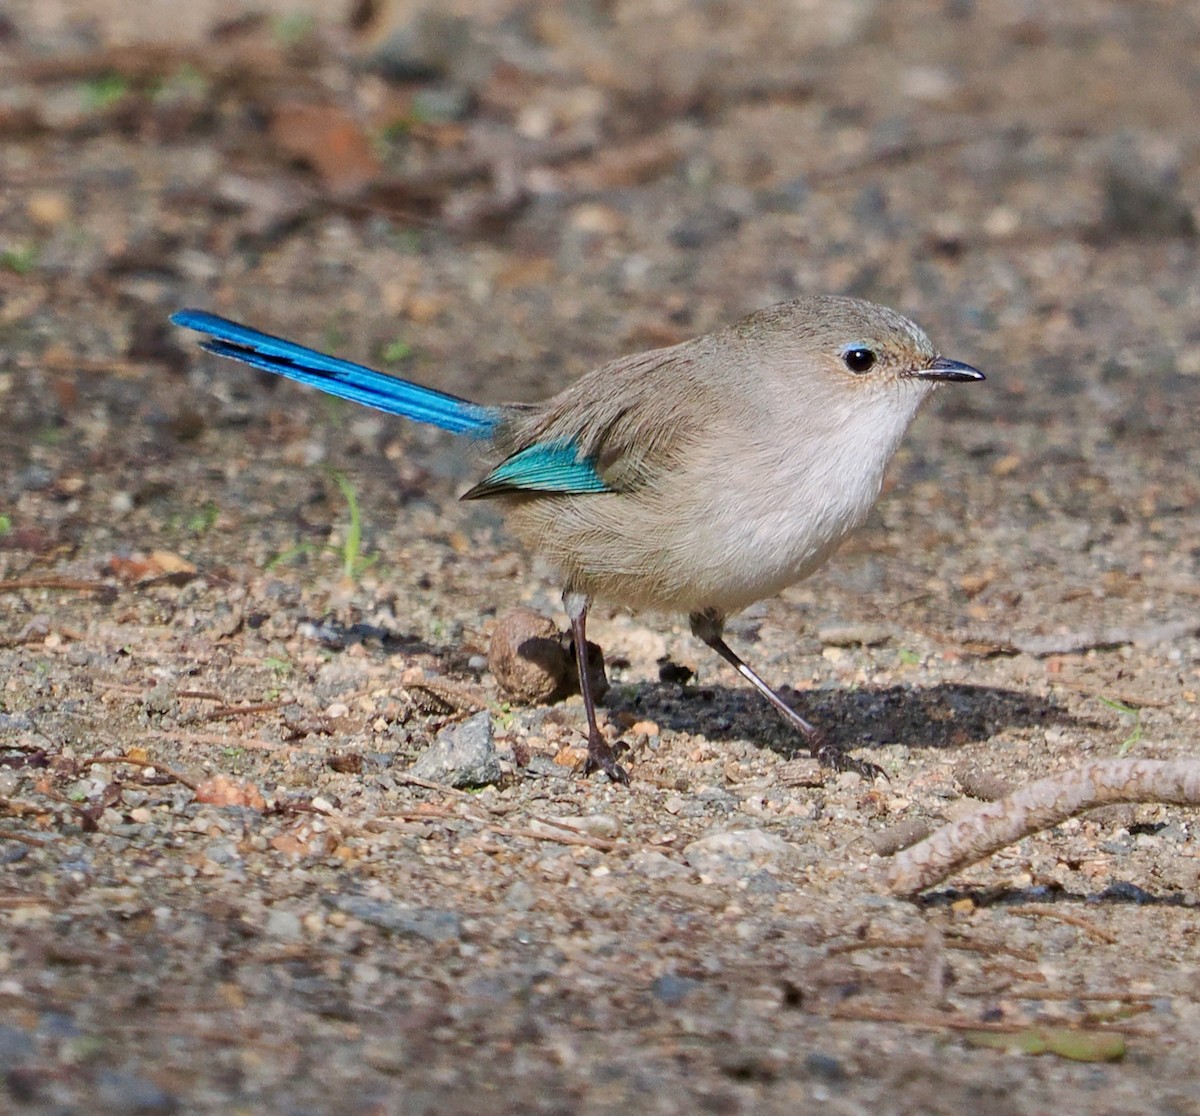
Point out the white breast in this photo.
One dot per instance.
(783, 503)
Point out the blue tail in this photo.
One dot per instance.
(339, 377)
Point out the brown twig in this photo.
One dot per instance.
(54, 581)
(429, 784)
(228, 712)
(604, 844)
(216, 739)
(23, 838)
(988, 948)
(1039, 806)
(865, 1014)
(1031, 911)
(181, 779)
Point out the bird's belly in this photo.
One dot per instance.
(723, 553)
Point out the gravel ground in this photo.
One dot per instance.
(233, 614)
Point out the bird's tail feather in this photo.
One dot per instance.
(338, 377)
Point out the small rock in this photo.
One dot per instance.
(533, 661)
(221, 790)
(1142, 194)
(592, 825)
(791, 197)
(824, 1066)
(442, 103)
(463, 755)
(1124, 892)
(529, 657)
(16, 1046)
(284, 926)
(704, 228)
(34, 478)
(1120, 845)
(673, 989)
(853, 635)
(127, 1091)
(520, 896)
(48, 208)
(737, 853)
(805, 771)
(418, 922)
(428, 45)
(653, 865)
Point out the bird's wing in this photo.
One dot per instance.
(608, 432)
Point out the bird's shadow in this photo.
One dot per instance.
(1119, 893)
(945, 715)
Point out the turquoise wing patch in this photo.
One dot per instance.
(552, 467)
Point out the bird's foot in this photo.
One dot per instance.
(832, 755)
(602, 756)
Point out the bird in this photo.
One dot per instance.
(697, 478)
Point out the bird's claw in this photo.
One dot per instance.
(830, 755)
(602, 756)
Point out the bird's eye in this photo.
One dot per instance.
(859, 359)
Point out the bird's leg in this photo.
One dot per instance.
(601, 756)
(709, 626)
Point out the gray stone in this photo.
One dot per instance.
(673, 989)
(284, 925)
(463, 755)
(16, 1046)
(653, 865)
(704, 228)
(737, 853)
(126, 1091)
(418, 922)
(1142, 192)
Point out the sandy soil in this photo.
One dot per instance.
(222, 892)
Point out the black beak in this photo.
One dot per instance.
(949, 371)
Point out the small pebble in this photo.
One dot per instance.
(463, 755)
(736, 853)
(529, 657)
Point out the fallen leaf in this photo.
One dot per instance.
(158, 563)
(171, 563)
(1066, 1042)
(330, 141)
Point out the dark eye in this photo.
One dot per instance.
(859, 359)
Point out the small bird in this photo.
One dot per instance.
(698, 478)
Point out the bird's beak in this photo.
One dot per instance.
(947, 370)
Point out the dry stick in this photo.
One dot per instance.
(179, 736)
(1031, 911)
(22, 838)
(228, 712)
(1039, 806)
(928, 1020)
(181, 779)
(429, 784)
(53, 581)
(604, 844)
(988, 948)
